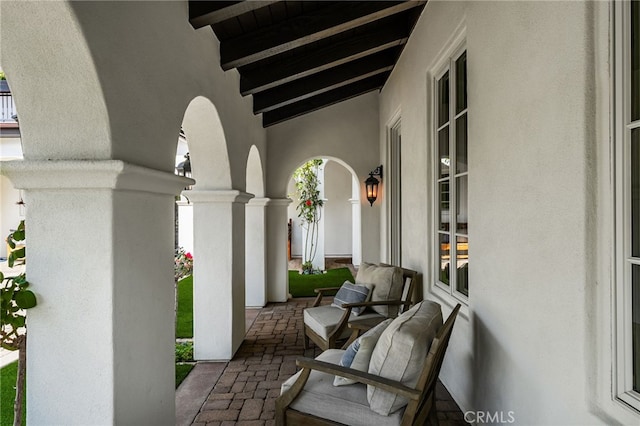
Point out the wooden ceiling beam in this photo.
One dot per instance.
(323, 82)
(305, 29)
(258, 79)
(203, 13)
(320, 101)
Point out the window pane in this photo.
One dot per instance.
(443, 99)
(445, 258)
(635, 60)
(443, 152)
(461, 83)
(635, 297)
(444, 206)
(462, 185)
(462, 265)
(461, 144)
(635, 193)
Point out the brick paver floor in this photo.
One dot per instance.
(245, 391)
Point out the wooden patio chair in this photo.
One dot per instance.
(325, 404)
(327, 325)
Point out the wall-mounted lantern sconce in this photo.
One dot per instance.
(372, 184)
(184, 168)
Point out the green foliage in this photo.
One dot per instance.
(184, 351)
(184, 309)
(15, 295)
(2, 76)
(183, 264)
(306, 181)
(309, 207)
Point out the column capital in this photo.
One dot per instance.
(91, 174)
(217, 196)
(259, 202)
(354, 200)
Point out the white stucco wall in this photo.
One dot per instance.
(523, 342)
(337, 211)
(347, 131)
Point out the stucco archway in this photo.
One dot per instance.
(329, 192)
(218, 243)
(255, 236)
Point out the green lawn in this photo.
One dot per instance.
(303, 285)
(8, 376)
(182, 370)
(184, 312)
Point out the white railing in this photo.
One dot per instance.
(7, 108)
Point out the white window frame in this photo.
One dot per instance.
(623, 359)
(446, 63)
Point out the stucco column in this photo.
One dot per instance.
(185, 224)
(256, 253)
(218, 272)
(277, 262)
(100, 251)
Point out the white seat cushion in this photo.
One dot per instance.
(343, 404)
(401, 351)
(323, 319)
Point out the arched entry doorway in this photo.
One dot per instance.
(340, 231)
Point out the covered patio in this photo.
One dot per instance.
(243, 390)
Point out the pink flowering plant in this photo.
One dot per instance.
(183, 265)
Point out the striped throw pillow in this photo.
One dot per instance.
(351, 293)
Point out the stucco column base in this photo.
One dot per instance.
(218, 272)
(100, 251)
(277, 262)
(256, 253)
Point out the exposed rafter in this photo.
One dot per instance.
(203, 13)
(324, 100)
(295, 57)
(302, 30)
(258, 78)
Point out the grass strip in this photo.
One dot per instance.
(303, 285)
(184, 310)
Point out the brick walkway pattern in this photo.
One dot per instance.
(245, 392)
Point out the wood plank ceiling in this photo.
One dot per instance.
(295, 57)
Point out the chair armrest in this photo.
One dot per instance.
(326, 289)
(320, 292)
(376, 303)
(360, 376)
(284, 400)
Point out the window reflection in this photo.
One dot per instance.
(462, 209)
(445, 258)
(635, 193)
(462, 265)
(443, 152)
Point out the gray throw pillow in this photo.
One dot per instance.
(351, 293)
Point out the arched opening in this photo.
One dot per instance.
(218, 273)
(339, 229)
(255, 235)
